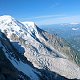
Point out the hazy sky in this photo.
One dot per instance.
(42, 11)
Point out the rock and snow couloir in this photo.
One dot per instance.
(42, 49)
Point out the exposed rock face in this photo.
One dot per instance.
(41, 48)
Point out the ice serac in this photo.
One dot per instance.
(41, 48)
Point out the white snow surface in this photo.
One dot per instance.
(32, 24)
(9, 23)
(74, 29)
(40, 57)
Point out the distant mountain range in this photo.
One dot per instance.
(30, 53)
(70, 32)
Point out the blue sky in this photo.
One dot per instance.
(42, 11)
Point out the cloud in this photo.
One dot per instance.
(58, 20)
(47, 16)
(54, 19)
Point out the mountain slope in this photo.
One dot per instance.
(41, 48)
(14, 66)
(65, 31)
(18, 63)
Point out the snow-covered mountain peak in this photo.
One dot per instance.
(75, 29)
(7, 21)
(10, 26)
(32, 24)
(40, 47)
(6, 18)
